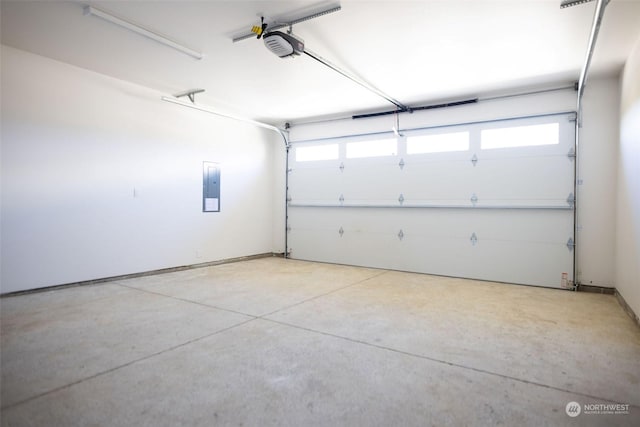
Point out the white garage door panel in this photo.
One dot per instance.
(370, 180)
(506, 216)
(548, 182)
(502, 261)
(509, 247)
(300, 177)
(533, 181)
(443, 183)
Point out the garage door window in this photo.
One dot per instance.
(438, 143)
(520, 136)
(317, 152)
(376, 148)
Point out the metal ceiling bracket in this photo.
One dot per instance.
(401, 199)
(401, 164)
(571, 200)
(474, 199)
(401, 235)
(570, 244)
(474, 160)
(279, 25)
(473, 239)
(191, 94)
(341, 231)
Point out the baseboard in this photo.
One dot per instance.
(142, 274)
(626, 307)
(612, 291)
(596, 289)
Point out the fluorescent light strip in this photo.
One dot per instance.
(91, 10)
(228, 116)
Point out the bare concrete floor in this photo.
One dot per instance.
(279, 342)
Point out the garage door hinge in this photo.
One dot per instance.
(571, 154)
(474, 199)
(341, 231)
(401, 164)
(400, 235)
(401, 199)
(288, 228)
(289, 198)
(570, 244)
(342, 167)
(341, 199)
(573, 117)
(473, 239)
(474, 160)
(571, 200)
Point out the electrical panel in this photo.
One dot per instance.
(210, 187)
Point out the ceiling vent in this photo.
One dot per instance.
(283, 44)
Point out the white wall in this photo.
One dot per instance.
(596, 209)
(597, 169)
(628, 212)
(76, 145)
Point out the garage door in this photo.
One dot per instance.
(489, 200)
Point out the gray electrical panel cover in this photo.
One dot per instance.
(210, 187)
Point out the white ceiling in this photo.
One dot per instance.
(418, 52)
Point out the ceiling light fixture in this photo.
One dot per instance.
(91, 10)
